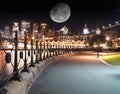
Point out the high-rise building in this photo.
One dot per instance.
(85, 30)
(35, 30)
(25, 27)
(43, 29)
(7, 31)
(15, 28)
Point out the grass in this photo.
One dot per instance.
(113, 59)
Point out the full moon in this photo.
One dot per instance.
(60, 12)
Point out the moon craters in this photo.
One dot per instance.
(60, 12)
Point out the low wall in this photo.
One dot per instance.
(17, 87)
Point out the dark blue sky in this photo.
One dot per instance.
(92, 12)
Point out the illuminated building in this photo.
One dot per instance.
(15, 28)
(50, 33)
(7, 31)
(25, 26)
(85, 30)
(35, 30)
(43, 29)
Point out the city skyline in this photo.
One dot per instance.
(93, 13)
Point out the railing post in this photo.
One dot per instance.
(44, 50)
(53, 49)
(63, 49)
(47, 50)
(56, 50)
(50, 49)
(37, 52)
(25, 61)
(40, 50)
(32, 63)
(16, 75)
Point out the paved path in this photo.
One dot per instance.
(80, 74)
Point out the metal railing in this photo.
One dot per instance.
(17, 58)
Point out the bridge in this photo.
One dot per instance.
(112, 27)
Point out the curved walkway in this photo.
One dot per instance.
(80, 74)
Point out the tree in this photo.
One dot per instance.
(73, 31)
(97, 39)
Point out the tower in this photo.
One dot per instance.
(43, 29)
(85, 30)
(35, 30)
(15, 28)
(7, 31)
(25, 27)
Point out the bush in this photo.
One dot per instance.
(117, 50)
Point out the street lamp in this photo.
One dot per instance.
(98, 32)
(107, 39)
(103, 27)
(110, 25)
(117, 22)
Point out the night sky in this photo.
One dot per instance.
(92, 12)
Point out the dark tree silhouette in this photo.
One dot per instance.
(73, 31)
(97, 39)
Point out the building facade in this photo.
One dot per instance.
(15, 27)
(25, 27)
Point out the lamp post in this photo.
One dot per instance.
(98, 32)
(107, 39)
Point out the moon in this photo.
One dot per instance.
(60, 12)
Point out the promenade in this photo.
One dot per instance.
(83, 73)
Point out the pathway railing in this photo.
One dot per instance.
(17, 56)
